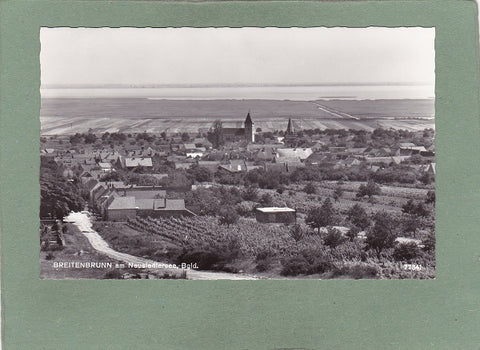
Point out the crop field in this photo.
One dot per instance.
(193, 232)
(68, 115)
(269, 249)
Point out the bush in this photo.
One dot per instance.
(430, 198)
(370, 189)
(295, 266)
(113, 274)
(245, 209)
(333, 238)
(429, 242)
(228, 216)
(310, 188)
(406, 252)
(357, 271)
(264, 260)
(305, 263)
(297, 232)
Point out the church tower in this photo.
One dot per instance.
(289, 130)
(249, 129)
(290, 139)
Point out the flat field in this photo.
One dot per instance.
(70, 115)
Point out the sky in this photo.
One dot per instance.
(97, 56)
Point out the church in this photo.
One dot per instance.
(290, 138)
(246, 133)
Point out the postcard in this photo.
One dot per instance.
(237, 153)
(239, 175)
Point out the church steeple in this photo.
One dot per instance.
(249, 128)
(290, 130)
(248, 120)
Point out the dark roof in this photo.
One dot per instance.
(123, 203)
(145, 194)
(290, 126)
(161, 204)
(248, 120)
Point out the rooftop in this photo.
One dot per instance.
(276, 210)
(123, 203)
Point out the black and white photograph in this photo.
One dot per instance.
(237, 153)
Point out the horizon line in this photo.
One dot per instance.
(206, 85)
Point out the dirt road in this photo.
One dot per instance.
(83, 222)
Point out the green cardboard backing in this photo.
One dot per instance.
(172, 314)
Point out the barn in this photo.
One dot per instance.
(276, 215)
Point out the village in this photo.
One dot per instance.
(268, 181)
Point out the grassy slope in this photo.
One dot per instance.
(74, 243)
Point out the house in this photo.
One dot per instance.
(276, 215)
(142, 192)
(300, 153)
(194, 154)
(384, 160)
(134, 162)
(162, 207)
(265, 154)
(318, 146)
(123, 208)
(234, 166)
(212, 165)
(349, 162)
(189, 146)
(106, 167)
(183, 165)
(320, 158)
(284, 167)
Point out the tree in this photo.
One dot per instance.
(383, 233)
(411, 224)
(90, 138)
(250, 193)
(409, 207)
(337, 194)
(215, 134)
(417, 209)
(333, 238)
(296, 232)
(228, 216)
(185, 136)
(353, 233)
(321, 216)
(370, 189)
(406, 251)
(358, 217)
(200, 174)
(202, 202)
(430, 197)
(266, 200)
(163, 135)
(310, 188)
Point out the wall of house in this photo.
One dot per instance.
(162, 213)
(279, 217)
(121, 214)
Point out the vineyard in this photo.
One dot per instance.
(193, 232)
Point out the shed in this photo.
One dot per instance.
(276, 215)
